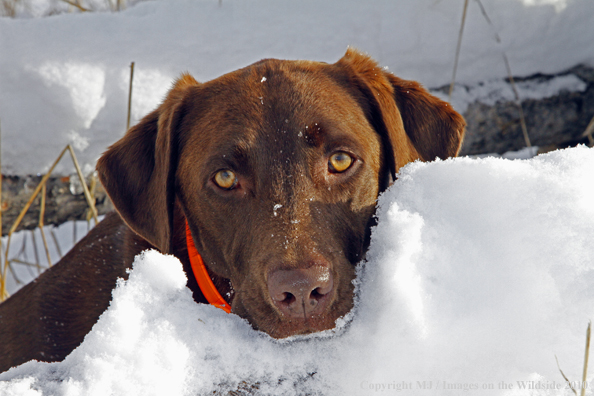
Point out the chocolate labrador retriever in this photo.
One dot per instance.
(272, 171)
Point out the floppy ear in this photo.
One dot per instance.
(412, 123)
(138, 171)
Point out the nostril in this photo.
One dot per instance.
(324, 284)
(287, 298)
(318, 293)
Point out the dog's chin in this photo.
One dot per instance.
(279, 326)
(295, 327)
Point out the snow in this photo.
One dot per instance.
(479, 274)
(525, 153)
(27, 247)
(65, 78)
(493, 91)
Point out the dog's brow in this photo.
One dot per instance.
(240, 152)
(313, 134)
(237, 152)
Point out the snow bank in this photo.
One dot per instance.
(497, 90)
(27, 247)
(479, 273)
(65, 78)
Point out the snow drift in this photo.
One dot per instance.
(65, 78)
(480, 272)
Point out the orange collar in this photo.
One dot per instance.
(204, 282)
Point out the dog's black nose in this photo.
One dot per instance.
(302, 292)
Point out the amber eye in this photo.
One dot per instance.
(339, 162)
(225, 179)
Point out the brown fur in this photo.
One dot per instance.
(277, 136)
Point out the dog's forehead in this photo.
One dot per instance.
(275, 102)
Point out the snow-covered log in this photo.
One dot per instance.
(64, 201)
(557, 110)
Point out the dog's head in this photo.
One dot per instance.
(277, 168)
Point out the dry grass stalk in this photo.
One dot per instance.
(12, 8)
(22, 262)
(41, 215)
(585, 371)
(22, 251)
(586, 357)
(9, 7)
(510, 77)
(35, 252)
(130, 95)
(564, 377)
(458, 49)
(88, 197)
(92, 187)
(3, 292)
(42, 183)
(56, 243)
(119, 5)
(77, 5)
(16, 279)
(518, 102)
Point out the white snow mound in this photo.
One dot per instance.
(480, 272)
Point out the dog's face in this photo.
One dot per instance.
(277, 168)
(278, 175)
